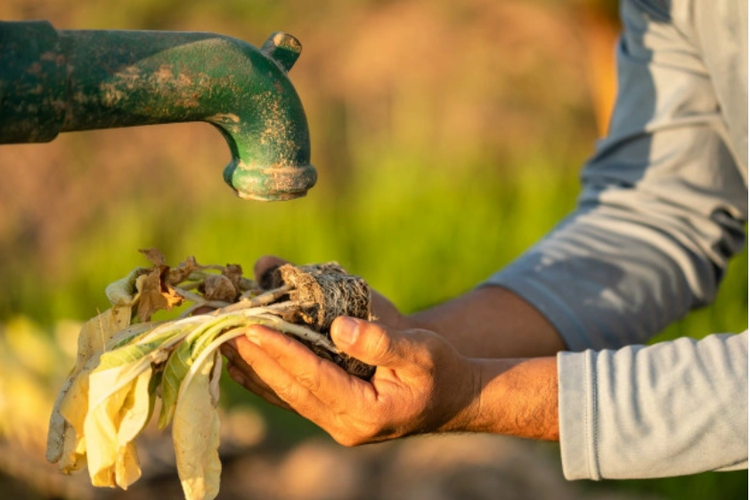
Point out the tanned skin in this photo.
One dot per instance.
(483, 362)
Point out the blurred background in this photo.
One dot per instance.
(448, 137)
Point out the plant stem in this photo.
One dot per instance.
(256, 319)
(265, 298)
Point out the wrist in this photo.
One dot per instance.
(466, 399)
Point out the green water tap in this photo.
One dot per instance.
(54, 81)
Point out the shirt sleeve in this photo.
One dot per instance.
(664, 197)
(669, 409)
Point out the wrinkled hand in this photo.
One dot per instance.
(421, 383)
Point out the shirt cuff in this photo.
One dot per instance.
(578, 414)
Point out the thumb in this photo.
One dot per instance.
(369, 342)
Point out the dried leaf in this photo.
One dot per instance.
(118, 372)
(155, 256)
(234, 273)
(156, 294)
(74, 405)
(73, 408)
(58, 426)
(195, 434)
(182, 272)
(218, 287)
(97, 331)
(74, 452)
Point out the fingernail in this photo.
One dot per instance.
(346, 331)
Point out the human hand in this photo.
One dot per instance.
(421, 383)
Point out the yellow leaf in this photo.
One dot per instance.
(68, 419)
(73, 453)
(127, 468)
(135, 410)
(98, 330)
(134, 415)
(195, 435)
(102, 424)
(91, 341)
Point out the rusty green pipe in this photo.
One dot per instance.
(59, 81)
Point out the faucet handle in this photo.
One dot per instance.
(282, 48)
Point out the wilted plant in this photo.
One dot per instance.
(126, 361)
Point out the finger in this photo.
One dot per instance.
(328, 382)
(372, 343)
(229, 350)
(241, 369)
(265, 264)
(278, 377)
(243, 373)
(261, 390)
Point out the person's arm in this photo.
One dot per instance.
(662, 211)
(422, 385)
(673, 408)
(664, 198)
(490, 322)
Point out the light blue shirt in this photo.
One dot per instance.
(663, 208)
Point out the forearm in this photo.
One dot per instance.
(518, 397)
(490, 322)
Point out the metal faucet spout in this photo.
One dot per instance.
(58, 81)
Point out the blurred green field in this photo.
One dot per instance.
(432, 175)
(419, 235)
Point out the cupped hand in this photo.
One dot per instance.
(421, 384)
